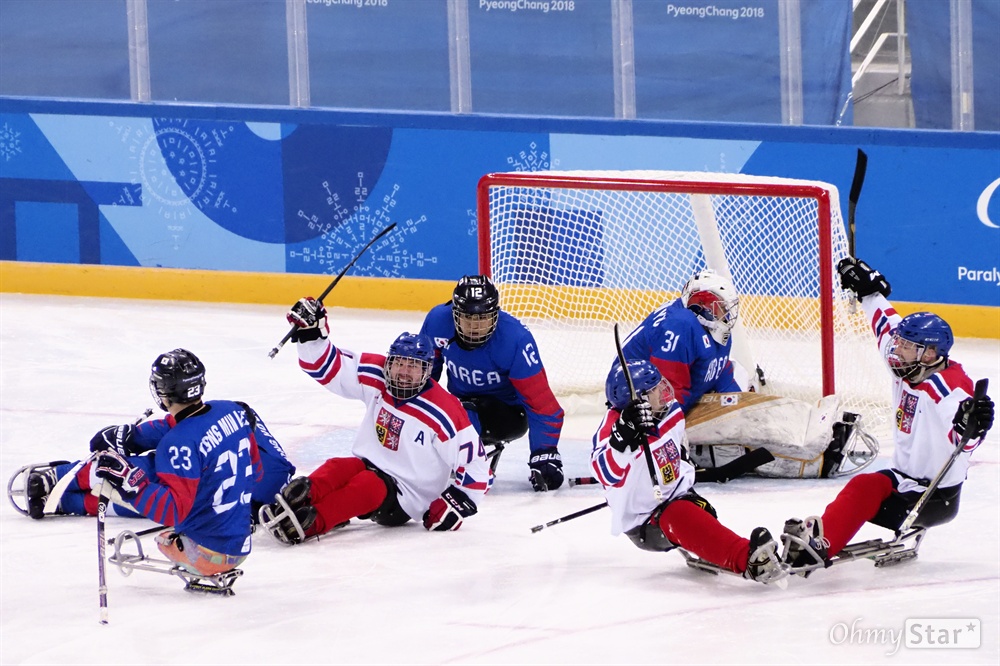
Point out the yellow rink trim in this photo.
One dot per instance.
(419, 295)
(219, 286)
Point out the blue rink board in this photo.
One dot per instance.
(298, 191)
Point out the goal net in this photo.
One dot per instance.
(572, 253)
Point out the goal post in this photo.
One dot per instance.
(574, 252)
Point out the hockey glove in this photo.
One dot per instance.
(546, 470)
(119, 439)
(629, 431)
(862, 279)
(447, 512)
(974, 417)
(309, 316)
(120, 473)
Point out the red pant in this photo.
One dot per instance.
(856, 504)
(343, 488)
(694, 529)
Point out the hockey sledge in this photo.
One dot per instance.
(858, 451)
(883, 553)
(127, 562)
(17, 486)
(695, 562)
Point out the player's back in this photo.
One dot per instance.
(214, 448)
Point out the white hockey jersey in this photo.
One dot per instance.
(924, 437)
(625, 476)
(419, 442)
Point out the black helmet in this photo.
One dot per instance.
(475, 300)
(177, 377)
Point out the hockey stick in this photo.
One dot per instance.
(104, 496)
(274, 352)
(734, 469)
(657, 493)
(860, 167)
(582, 481)
(58, 490)
(911, 517)
(582, 512)
(102, 583)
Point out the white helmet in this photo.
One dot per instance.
(713, 299)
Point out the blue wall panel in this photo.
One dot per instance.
(272, 190)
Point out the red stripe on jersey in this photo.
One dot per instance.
(313, 366)
(674, 416)
(370, 380)
(449, 404)
(424, 418)
(538, 396)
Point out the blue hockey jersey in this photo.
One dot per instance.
(270, 475)
(672, 339)
(508, 367)
(203, 478)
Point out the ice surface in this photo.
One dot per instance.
(491, 593)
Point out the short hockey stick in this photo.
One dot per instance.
(582, 512)
(104, 496)
(582, 481)
(860, 168)
(58, 490)
(102, 583)
(911, 517)
(657, 493)
(274, 352)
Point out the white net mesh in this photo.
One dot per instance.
(572, 258)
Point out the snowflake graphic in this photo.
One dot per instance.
(10, 142)
(531, 160)
(346, 228)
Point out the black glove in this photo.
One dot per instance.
(120, 473)
(545, 467)
(862, 279)
(120, 439)
(309, 316)
(447, 512)
(629, 431)
(974, 417)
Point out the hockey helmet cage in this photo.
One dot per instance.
(713, 299)
(408, 365)
(475, 307)
(177, 377)
(920, 331)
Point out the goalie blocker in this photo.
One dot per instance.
(806, 440)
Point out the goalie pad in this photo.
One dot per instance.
(723, 426)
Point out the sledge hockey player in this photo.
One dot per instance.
(494, 367)
(935, 412)
(689, 342)
(199, 480)
(415, 456)
(683, 519)
(46, 485)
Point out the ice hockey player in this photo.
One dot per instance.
(78, 495)
(495, 368)
(689, 340)
(935, 411)
(198, 481)
(681, 518)
(415, 456)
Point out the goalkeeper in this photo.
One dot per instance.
(689, 340)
